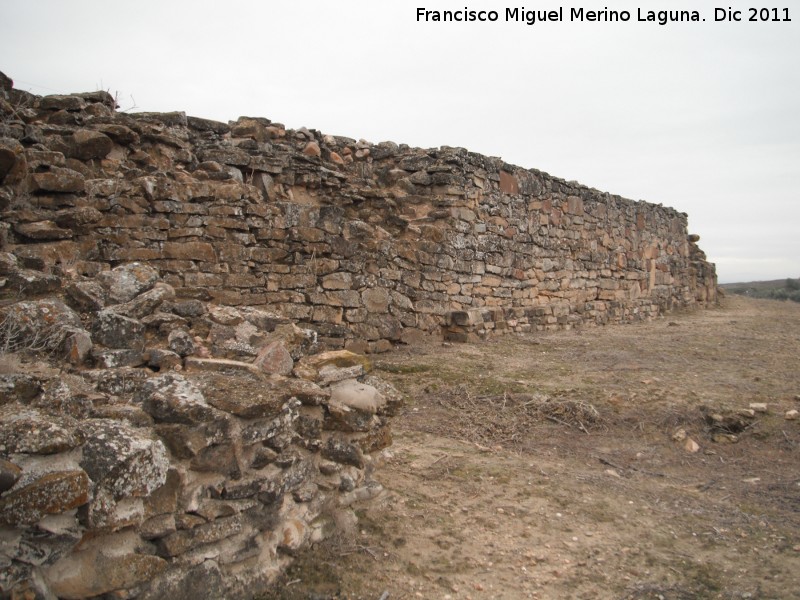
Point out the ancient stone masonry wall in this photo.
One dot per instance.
(177, 414)
(367, 244)
(131, 462)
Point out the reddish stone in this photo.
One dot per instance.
(275, 359)
(508, 183)
(312, 149)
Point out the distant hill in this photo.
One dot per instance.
(777, 289)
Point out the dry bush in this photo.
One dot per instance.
(16, 337)
(509, 419)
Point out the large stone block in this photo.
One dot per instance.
(123, 460)
(103, 565)
(49, 494)
(114, 330)
(30, 431)
(125, 282)
(57, 179)
(171, 398)
(88, 144)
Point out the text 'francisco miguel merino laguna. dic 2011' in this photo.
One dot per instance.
(661, 17)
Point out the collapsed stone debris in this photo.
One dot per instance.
(185, 309)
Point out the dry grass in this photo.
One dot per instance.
(508, 419)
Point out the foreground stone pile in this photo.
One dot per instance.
(158, 447)
(368, 244)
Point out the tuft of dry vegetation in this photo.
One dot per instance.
(508, 419)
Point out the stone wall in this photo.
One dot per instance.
(132, 463)
(368, 244)
(177, 414)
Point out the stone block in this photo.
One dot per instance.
(117, 331)
(88, 144)
(121, 459)
(274, 359)
(109, 564)
(52, 493)
(180, 542)
(29, 431)
(311, 367)
(202, 251)
(57, 179)
(125, 282)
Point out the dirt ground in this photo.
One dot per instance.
(554, 466)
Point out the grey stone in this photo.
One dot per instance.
(125, 282)
(147, 302)
(29, 431)
(114, 330)
(121, 459)
(19, 387)
(87, 296)
(171, 398)
(181, 342)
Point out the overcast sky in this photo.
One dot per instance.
(703, 117)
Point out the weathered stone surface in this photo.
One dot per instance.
(113, 359)
(182, 541)
(312, 149)
(201, 581)
(376, 300)
(119, 381)
(114, 330)
(43, 231)
(29, 431)
(393, 399)
(276, 433)
(274, 359)
(171, 398)
(50, 494)
(57, 179)
(218, 364)
(62, 102)
(86, 295)
(318, 366)
(217, 459)
(29, 283)
(122, 460)
(157, 527)
(251, 397)
(119, 133)
(12, 157)
(147, 302)
(358, 396)
(88, 144)
(9, 474)
(109, 563)
(181, 342)
(19, 387)
(161, 359)
(77, 346)
(339, 450)
(375, 440)
(125, 282)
